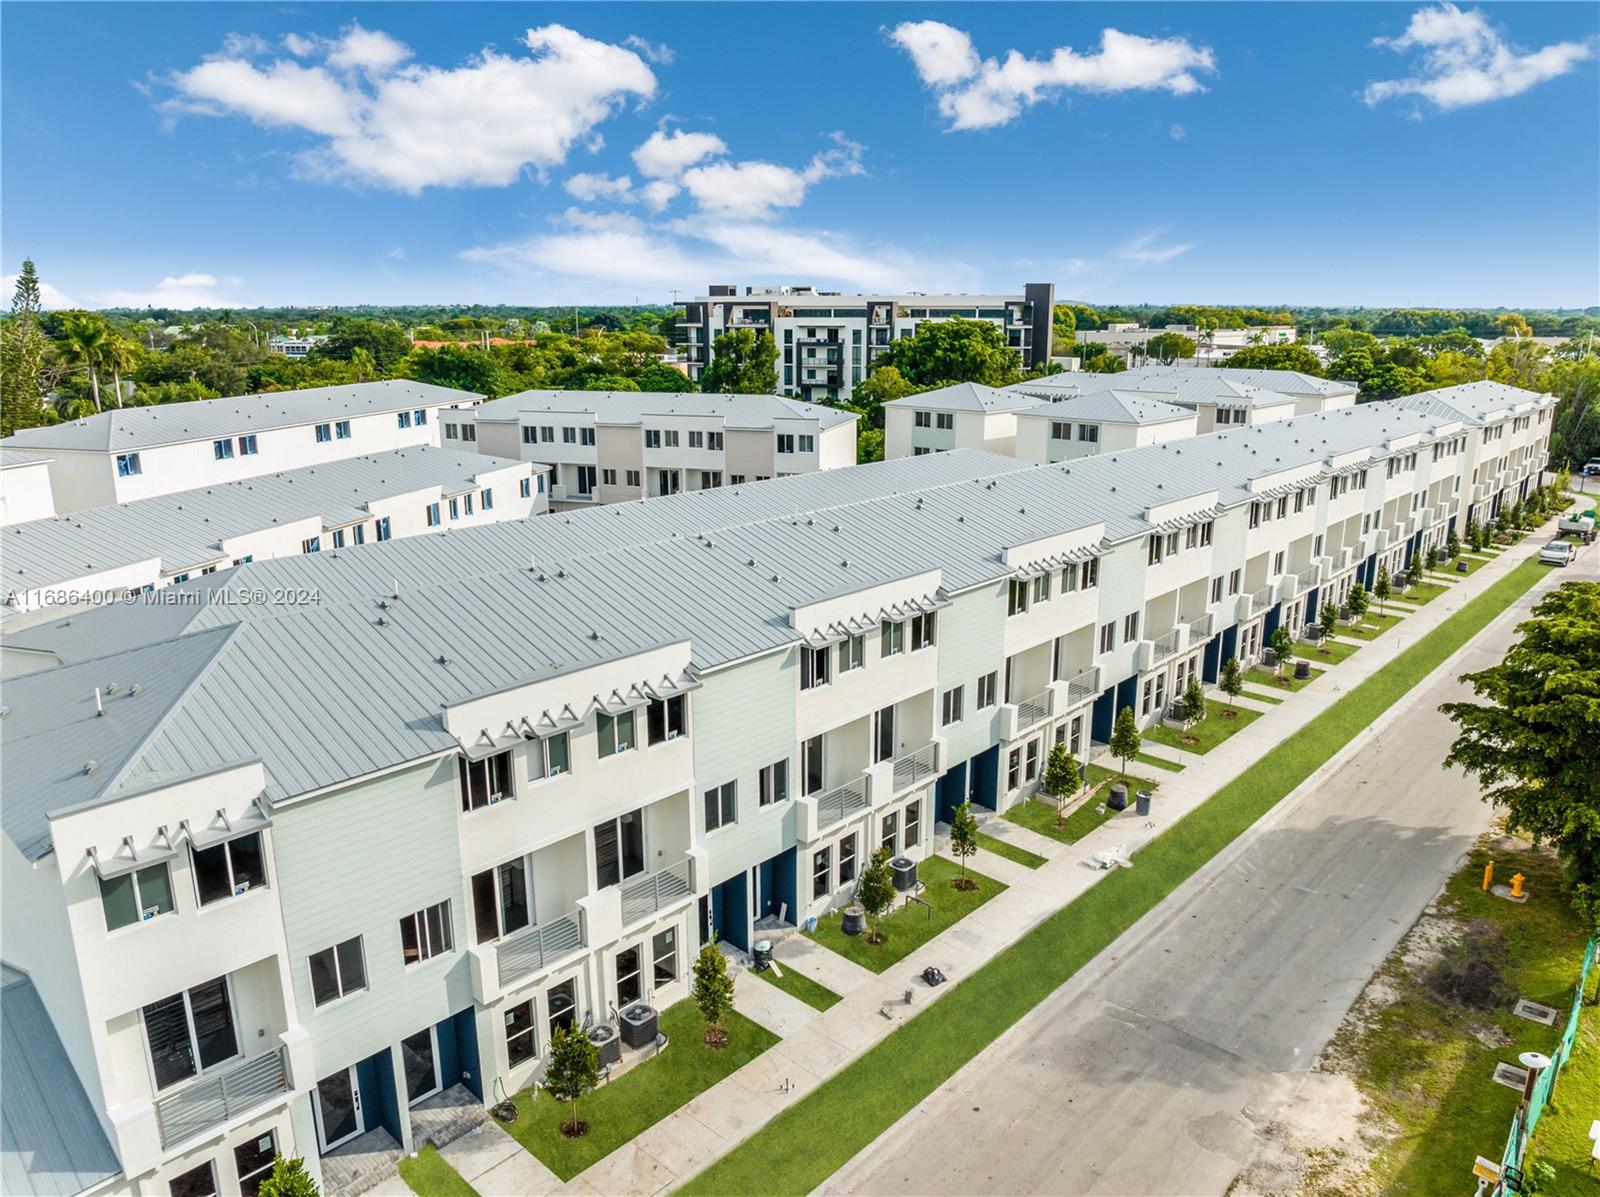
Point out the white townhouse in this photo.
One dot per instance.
(828, 341)
(62, 562)
(1099, 422)
(308, 878)
(136, 452)
(1220, 397)
(25, 492)
(966, 415)
(610, 446)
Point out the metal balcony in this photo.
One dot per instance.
(838, 804)
(221, 1097)
(1165, 646)
(1200, 629)
(1260, 600)
(535, 948)
(916, 767)
(644, 896)
(1033, 711)
(1309, 577)
(1084, 687)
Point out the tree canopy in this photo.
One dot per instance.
(743, 362)
(942, 352)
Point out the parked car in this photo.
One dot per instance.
(1557, 552)
(1591, 468)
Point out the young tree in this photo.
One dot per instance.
(1282, 647)
(963, 843)
(712, 992)
(875, 892)
(1194, 701)
(1358, 601)
(1061, 777)
(1330, 620)
(86, 341)
(1380, 588)
(22, 353)
(1452, 545)
(572, 1069)
(1430, 559)
(884, 385)
(1125, 741)
(1232, 681)
(1532, 742)
(743, 362)
(288, 1178)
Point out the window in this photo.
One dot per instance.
(136, 897)
(811, 769)
(341, 430)
(785, 442)
(227, 869)
(773, 784)
(922, 631)
(664, 956)
(1060, 430)
(813, 668)
(222, 450)
(547, 757)
(1191, 536)
(631, 477)
(608, 477)
(1130, 627)
(252, 1160)
(338, 971)
(586, 436)
(714, 441)
(200, 1181)
(806, 443)
(128, 465)
(338, 538)
(1277, 563)
(547, 433)
(1153, 549)
(652, 438)
(619, 848)
(945, 421)
(311, 545)
(1255, 515)
(525, 488)
(1031, 769)
(488, 498)
(1216, 590)
(950, 704)
(562, 1005)
(1299, 501)
(914, 824)
(1108, 637)
(426, 934)
(569, 435)
(891, 827)
(847, 859)
(360, 531)
(1018, 601)
(1234, 580)
(247, 445)
(190, 1032)
(484, 782)
(419, 417)
(883, 737)
(1041, 588)
(891, 638)
(466, 506)
(382, 527)
(586, 475)
(324, 433)
(1014, 769)
(433, 515)
(821, 873)
(852, 653)
(722, 805)
(1283, 507)
(670, 438)
(502, 900)
(521, 1043)
(1089, 433)
(987, 685)
(1091, 573)
(666, 719)
(616, 733)
(455, 509)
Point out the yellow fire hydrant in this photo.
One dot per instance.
(1516, 885)
(1488, 876)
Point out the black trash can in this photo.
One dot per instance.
(1142, 803)
(1118, 799)
(762, 955)
(853, 921)
(905, 873)
(1302, 670)
(1461, 567)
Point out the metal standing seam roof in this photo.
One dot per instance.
(127, 428)
(327, 692)
(634, 407)
(11, 458)
(1111, 407)
(1471, 402)
(51, 1143)
(185, 528)
(966, 396)
(1190, 387)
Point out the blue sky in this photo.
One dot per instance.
(538, 154)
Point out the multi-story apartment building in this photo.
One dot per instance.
(25, 492)
(59, 563)
(828, 342)
(1212, 345)
(136, 452)
(293, 346)
(323, 867)
(609, 446)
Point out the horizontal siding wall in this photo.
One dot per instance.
(971, 635)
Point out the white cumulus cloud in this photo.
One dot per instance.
(667, 155)
(50, 296)
(1462, 60)
(982, 93)
(386, 121)
(193, 290)
(591, 187)
(752, 190)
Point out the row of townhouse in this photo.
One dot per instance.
(828, 342)
(138, 452)
(293, 878)
(611, 446)
(1075, 414)
(56, 564)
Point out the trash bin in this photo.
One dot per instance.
(1142, 805)
(1461, 567)
(1118, 799)
(853, 921)
(905, 873)
(763, 955)
(1302, 670)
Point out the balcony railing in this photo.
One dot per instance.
(1309, 577)
(1085, 687)
(534, 948)
(839, 803)
(1200, 629)
(1164, 646)
(223, 1096)
(643, 896)
(1031, 711)
(916, 766)
(1260, 600)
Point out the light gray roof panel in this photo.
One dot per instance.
(128, 428)
(1472, 402)
(1189, 385)
(51, 1143)
(12, 458)
(634, 407)
(965, 396)
(1111, 407)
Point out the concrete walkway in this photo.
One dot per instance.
(695, 1136)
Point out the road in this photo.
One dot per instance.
(1150, 1072)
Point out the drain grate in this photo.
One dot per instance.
(1510, 1076)
(1534, 1012)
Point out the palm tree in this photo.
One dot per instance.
(121, 354)
(86, 342)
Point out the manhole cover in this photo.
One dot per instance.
(1534, 1012)
(1510, 1076)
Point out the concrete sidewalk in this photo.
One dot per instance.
(819, 1044)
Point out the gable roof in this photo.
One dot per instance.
(1111, 407)
(965, 396)
(1472, 402)
(634, 407)
(126, 429)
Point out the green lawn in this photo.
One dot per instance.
(639, 1098)
(1021, 856)
(1261, 696)
(1039, 814)
(1423, 593)
(1379, 624)
(861, 1101)
(1421, 1062)
(1216, 727)
(1266, 679)
(1144, 758)
(797, 985)
(1474, 564)
(1329, 652)
(429, 1176)
(910, 925)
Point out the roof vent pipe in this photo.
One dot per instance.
(99, 710)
